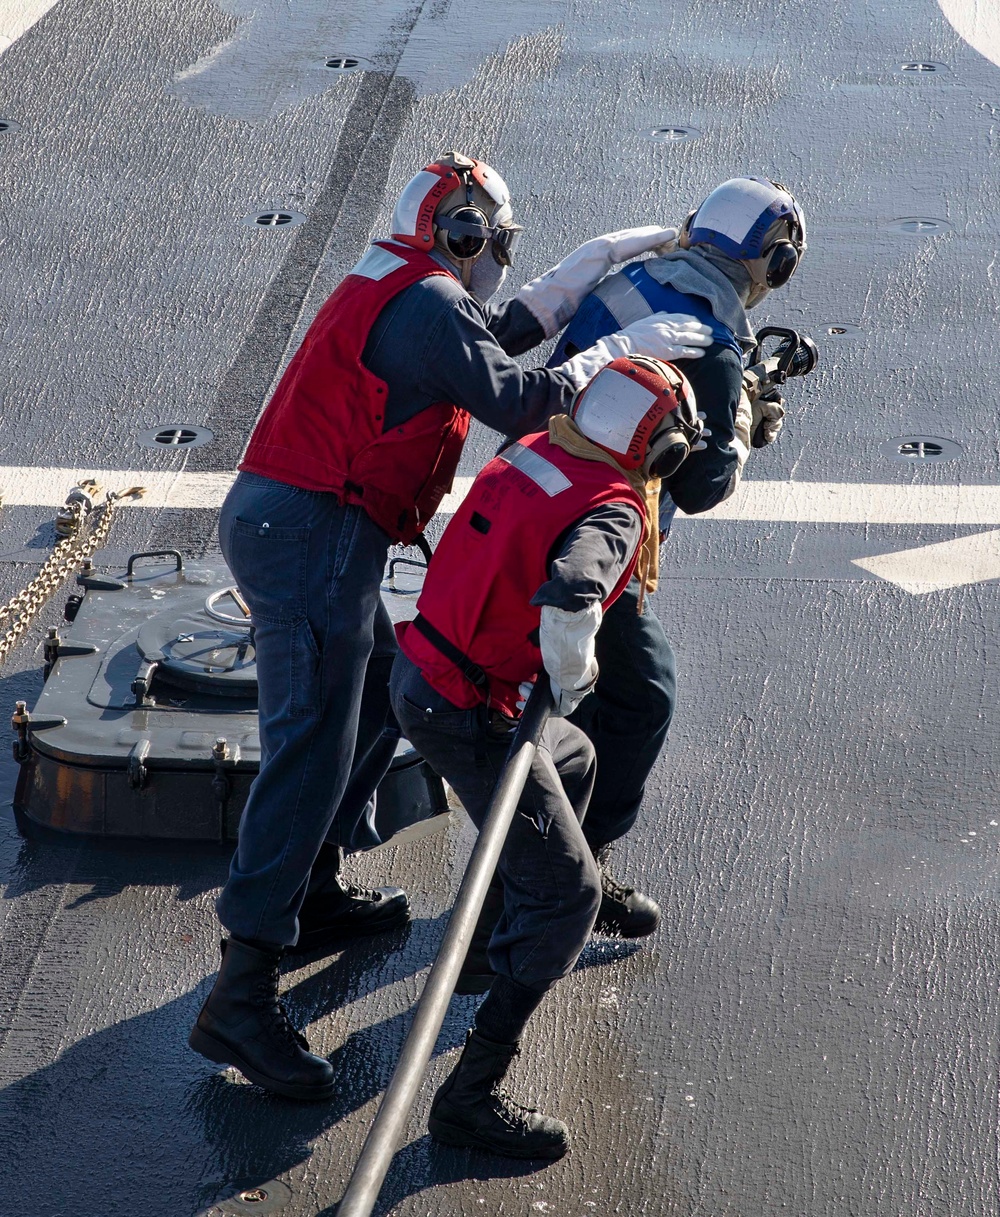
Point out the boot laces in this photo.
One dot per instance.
(276, 1015)
(513, 1114)
(614, 889)
(351, 892)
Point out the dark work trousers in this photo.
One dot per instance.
(310, 570)
(628, 715)
(552, 887)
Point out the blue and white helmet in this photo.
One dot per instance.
(755, 221)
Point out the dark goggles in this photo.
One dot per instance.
(469, 235)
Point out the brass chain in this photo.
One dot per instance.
(68, 555)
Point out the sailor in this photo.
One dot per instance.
(746, 238)
(553, 528)
(354, 452)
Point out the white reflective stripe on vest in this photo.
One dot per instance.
(542, 472)
(622, 299)
(377, 263)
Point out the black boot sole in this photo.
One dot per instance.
(453, 1134)
(332, 937)
(221, 1054)
(613, 931)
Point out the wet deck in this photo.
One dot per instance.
(811, 1030)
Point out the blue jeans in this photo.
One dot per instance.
(310, 570)
(551, 884)
(628, 715)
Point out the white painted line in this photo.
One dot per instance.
(930, 568)
(837, 503)
(47, 486)
(776, 502)
(859, 503)
(18, 16)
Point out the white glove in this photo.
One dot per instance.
(566, 640)
(666, 336)
(554, 297)
(768, 418)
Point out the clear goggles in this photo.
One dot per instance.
(506, 242)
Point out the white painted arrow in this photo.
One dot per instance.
(18, 16)
(931, 568)
(925, 569)
(978, 22)
(837, 503)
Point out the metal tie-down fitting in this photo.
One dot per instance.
(79, 504)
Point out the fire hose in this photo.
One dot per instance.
(380, 1145)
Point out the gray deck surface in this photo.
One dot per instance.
(813, 1029)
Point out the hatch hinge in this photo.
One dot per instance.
(138, 773)
(97, 583)
(143, 680)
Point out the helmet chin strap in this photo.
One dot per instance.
(461, 266)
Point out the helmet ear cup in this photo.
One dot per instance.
(782, 259)
(672, 448)
(684, 236)
(464, 245)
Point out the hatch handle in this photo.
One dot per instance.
(394, 562)
(155, 553)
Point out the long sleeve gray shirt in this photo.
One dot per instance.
(434, 342)
(591, 557)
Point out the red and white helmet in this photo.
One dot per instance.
(460, 204)
(643, 412)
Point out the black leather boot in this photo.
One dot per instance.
(243, 1024)
(470, 1109)
(624, 912)
(334, 912)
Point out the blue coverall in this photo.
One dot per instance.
(629, 715)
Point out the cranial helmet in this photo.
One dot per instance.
(757, 222)
(462, 206)
(642, 411)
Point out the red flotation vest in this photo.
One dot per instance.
(323, 428)
(493, 557)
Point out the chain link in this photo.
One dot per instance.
(70, 553)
